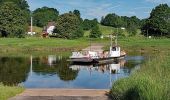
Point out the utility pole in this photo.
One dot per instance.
(31, 25)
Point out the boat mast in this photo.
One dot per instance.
(111, 43)
(116, 40)
(116, 37)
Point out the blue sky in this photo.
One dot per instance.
(97, 8)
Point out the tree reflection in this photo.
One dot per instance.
(13, 70)
(42, 65)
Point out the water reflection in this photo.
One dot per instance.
(13, 70)
(55, 72)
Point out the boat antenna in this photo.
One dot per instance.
(116, 37)
(90, 42)
(111, 43)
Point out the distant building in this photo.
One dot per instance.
(49, 29)
(123, 28)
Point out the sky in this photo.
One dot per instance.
(97, 8)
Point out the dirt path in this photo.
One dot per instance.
(62, 94)
(94, 47)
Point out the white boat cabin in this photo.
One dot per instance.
(88, 54)
(115, 52)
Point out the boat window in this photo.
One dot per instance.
(114, 49)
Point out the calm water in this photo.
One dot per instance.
(55, 72)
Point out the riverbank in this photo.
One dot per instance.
(150, 82)
(17, 46)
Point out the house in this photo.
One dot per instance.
(49, 28)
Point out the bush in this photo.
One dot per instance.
(95, 32)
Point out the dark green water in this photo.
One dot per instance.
(54, 71)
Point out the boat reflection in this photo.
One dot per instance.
(115, 67)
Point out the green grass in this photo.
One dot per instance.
(106, 30)
(7, 92)
(40, 44)
(152, 81)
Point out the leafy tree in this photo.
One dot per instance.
(95, 32)
(77, 13)
(68, 26)
(13, 20)
(89, 24)
(130, 23)
(44, 15)
(21, 3)
(158, 24)
(112, 20)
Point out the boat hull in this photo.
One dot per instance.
(97, 60)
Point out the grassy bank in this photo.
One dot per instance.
(40, 44)
(27, 46)
(152, 80)
(7, 92)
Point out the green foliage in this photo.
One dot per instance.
(112, 20)
(95, 32)
(158, 24)
(68, 25)
(21, 3)
(44, 15)
(89, 24)
(130, 23)
(77, 13)
(13, 20)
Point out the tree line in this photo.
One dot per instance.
(15, 19)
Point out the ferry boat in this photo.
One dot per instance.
(93, 56)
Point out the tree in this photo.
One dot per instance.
(112, 20)
(158, 24)
(77, 13)
(23, 5)
(13, 20)
(44, 15)
(89, 24)
(68, 26)
(95, 32)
